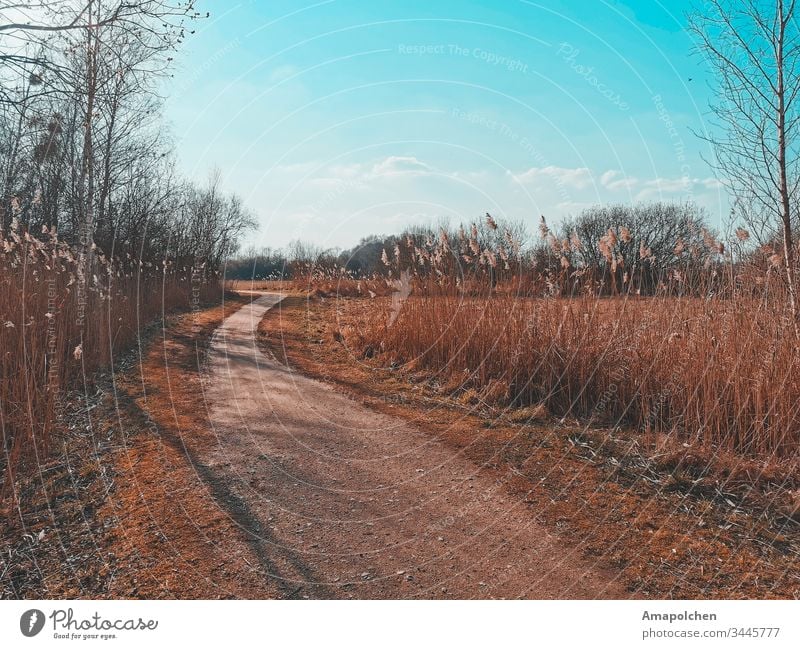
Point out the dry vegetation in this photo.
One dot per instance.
(696, 342)
(638, 321)
(58, 327)
(320, 284)
(717, 372)
(101, 517)
(99, 235)
(678, 520)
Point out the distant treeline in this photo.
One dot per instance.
(643, 248)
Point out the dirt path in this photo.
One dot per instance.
(339, 501)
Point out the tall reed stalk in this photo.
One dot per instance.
(56, 330)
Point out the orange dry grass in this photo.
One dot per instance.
(328, 286)
(54, 336)
(719, 372)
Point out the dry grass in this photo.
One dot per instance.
(321, 285)
(678, 521)
(55, 330)
(721, 373)
(709, 358)
(101, 518)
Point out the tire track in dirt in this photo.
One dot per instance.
(341, 501)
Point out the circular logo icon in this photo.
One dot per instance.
(31, 622)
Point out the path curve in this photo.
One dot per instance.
(340, 501)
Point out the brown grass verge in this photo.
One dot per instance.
(126, 510)
(679, 521)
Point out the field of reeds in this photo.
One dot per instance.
(714, 363)
(319, 284)
(57, 329)
(716, 372)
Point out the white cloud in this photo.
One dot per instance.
(611, 184)
(667, 185)
(401, 165)
(659, 187)
(712, 183)
(384, 169)
(386, 193)
(471, 177)
(614, 180)
(296, 168)
(608, 176)
(577, 178)
(571, 207)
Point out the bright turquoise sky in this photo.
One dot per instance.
(342, 118)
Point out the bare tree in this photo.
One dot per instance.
(753, 48)
(90, 158)
(111, 60)
(28, 30)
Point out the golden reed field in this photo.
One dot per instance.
(708, 356)
(59, 327)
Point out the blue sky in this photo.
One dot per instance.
(341, 118)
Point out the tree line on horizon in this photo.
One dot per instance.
(640, 248)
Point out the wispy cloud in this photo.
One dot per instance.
(401, 165)
(659, 187)
(614, 181)
(387, 168)
(577, 178)
(283, 72)
(389, 192)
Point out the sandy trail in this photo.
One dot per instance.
(340, 501)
